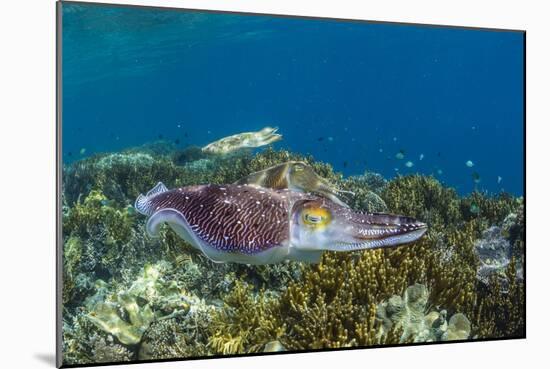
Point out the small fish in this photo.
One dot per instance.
(474, 209)
(380, 150)
(82, 151)
(400, 155)
(439, 172)
(394, 139)
(469, 163)
(320, 139)
(330, 138)
(476, 177)
(409, 164)
(421, 157)
(499, 179)
(131, 210)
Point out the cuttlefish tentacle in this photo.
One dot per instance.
(255, 225)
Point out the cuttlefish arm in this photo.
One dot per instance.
(318, 224)
(255, 225)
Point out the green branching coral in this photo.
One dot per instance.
(423, 198)
(366, 191)
(501, 313)
(96, 214)
(104, 238)
(121, 176)
(334, 305)
(246, 323)
(492, 209)
(72, 251)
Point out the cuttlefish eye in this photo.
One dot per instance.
(316, 216)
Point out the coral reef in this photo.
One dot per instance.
(130, 297)
(423, 198)
(102, 239)
(127, 313)
(495, 252)
(409, 314)
(105, 351)
(120, 176)
(366, 193)
(247, 322)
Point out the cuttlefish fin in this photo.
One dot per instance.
(143, 203)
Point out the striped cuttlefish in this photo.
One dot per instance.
(295, 175)
(255, 225)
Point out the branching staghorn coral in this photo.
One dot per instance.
(501, 313)
(246, 323)
(423, 198)
(120, 176)
(103, 239)
(491, 208)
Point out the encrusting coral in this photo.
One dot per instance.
(127, 296)
(410, 314)
(126, 314)
(105, 351)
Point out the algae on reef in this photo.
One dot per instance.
(127, 296)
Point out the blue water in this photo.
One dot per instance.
(350, 93)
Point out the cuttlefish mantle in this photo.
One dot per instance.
(255, 225)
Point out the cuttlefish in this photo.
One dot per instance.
(297, 176)
(254, 225)
(243, 140)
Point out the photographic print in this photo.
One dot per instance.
(244, 184)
